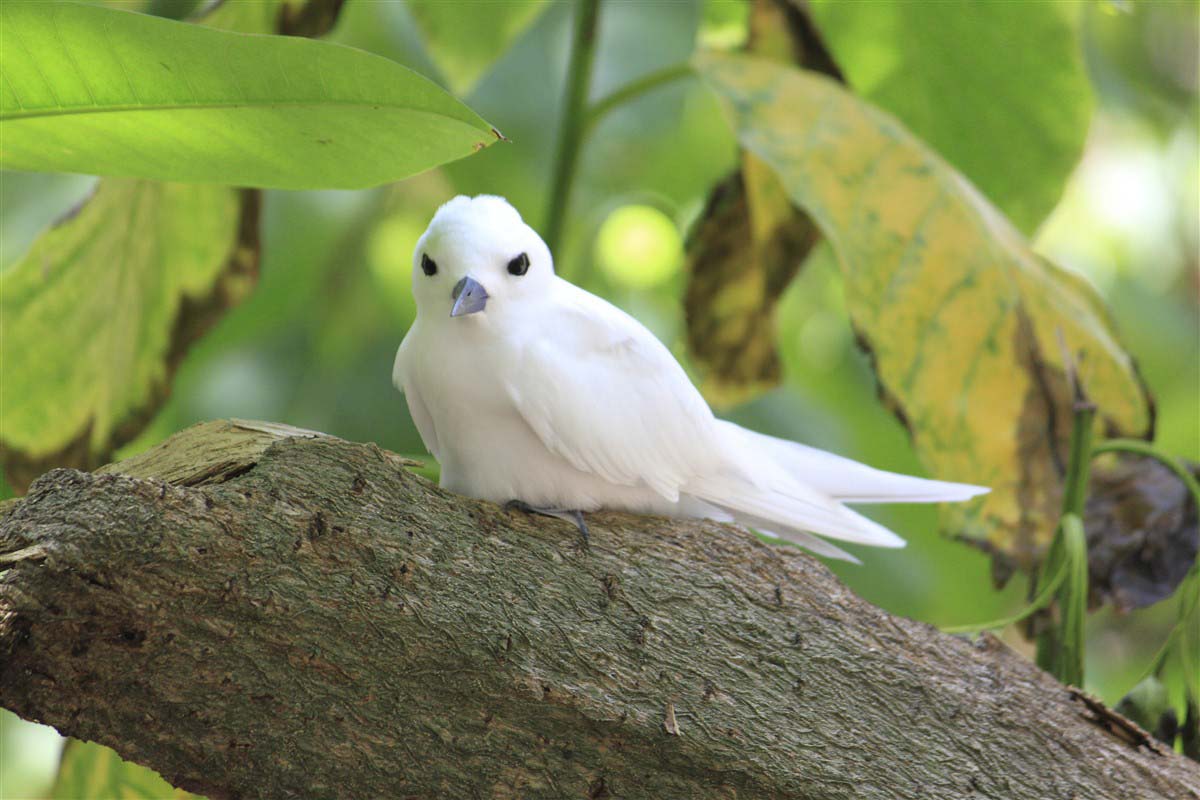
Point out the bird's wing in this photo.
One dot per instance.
(416, 406)
(602, 392)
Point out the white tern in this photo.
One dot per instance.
(528, 389)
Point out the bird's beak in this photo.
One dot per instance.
(469, 296)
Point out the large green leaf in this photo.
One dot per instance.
(464, 37)
(1000, 90)
(93, 90)
(99, 312)
(962, 318)
(90, 771)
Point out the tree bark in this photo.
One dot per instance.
(256, 611)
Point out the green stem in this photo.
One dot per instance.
(570, 132)
(1045, 594)
(1075, 491)
(1060, 647)
(633, 89)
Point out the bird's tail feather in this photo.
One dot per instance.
(809, 542)
(791, 508)
(844, 479)
(792, 491)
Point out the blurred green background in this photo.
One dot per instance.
(314, 344)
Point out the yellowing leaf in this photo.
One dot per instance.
(749, 243)
(744, 251)
(962, 318)
(96, 316)
(90, 771)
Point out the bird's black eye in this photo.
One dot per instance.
(428, 265)
(519, 265)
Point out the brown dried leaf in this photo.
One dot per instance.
(1142, 532)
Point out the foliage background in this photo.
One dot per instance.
(313, 345)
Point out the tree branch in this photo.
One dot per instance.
(292, 615)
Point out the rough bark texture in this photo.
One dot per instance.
(299, 616)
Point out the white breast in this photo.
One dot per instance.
(486, 449)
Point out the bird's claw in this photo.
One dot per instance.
(573, 516)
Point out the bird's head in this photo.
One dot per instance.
(478, 255)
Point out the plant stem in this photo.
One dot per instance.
(633, 89)
(1060, 647)
(1075, 490)
(570, 131)
(1045, 593)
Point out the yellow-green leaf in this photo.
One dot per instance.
(962, 318)
(96, 316)
(1000, 90)
(90, 771)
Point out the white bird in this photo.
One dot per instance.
(527, 388)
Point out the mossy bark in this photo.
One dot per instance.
(293, 615)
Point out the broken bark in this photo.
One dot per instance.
(293, 615)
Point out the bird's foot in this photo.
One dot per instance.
(573, 516)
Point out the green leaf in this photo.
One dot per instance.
(92, 90)
(1146, 703)
(464, 37)
(998, 89)
(1181, 650)
(90, 771)
(99, 312)
(961, 317)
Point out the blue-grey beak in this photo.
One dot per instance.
(469, 296)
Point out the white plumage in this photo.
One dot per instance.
(536, 390)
